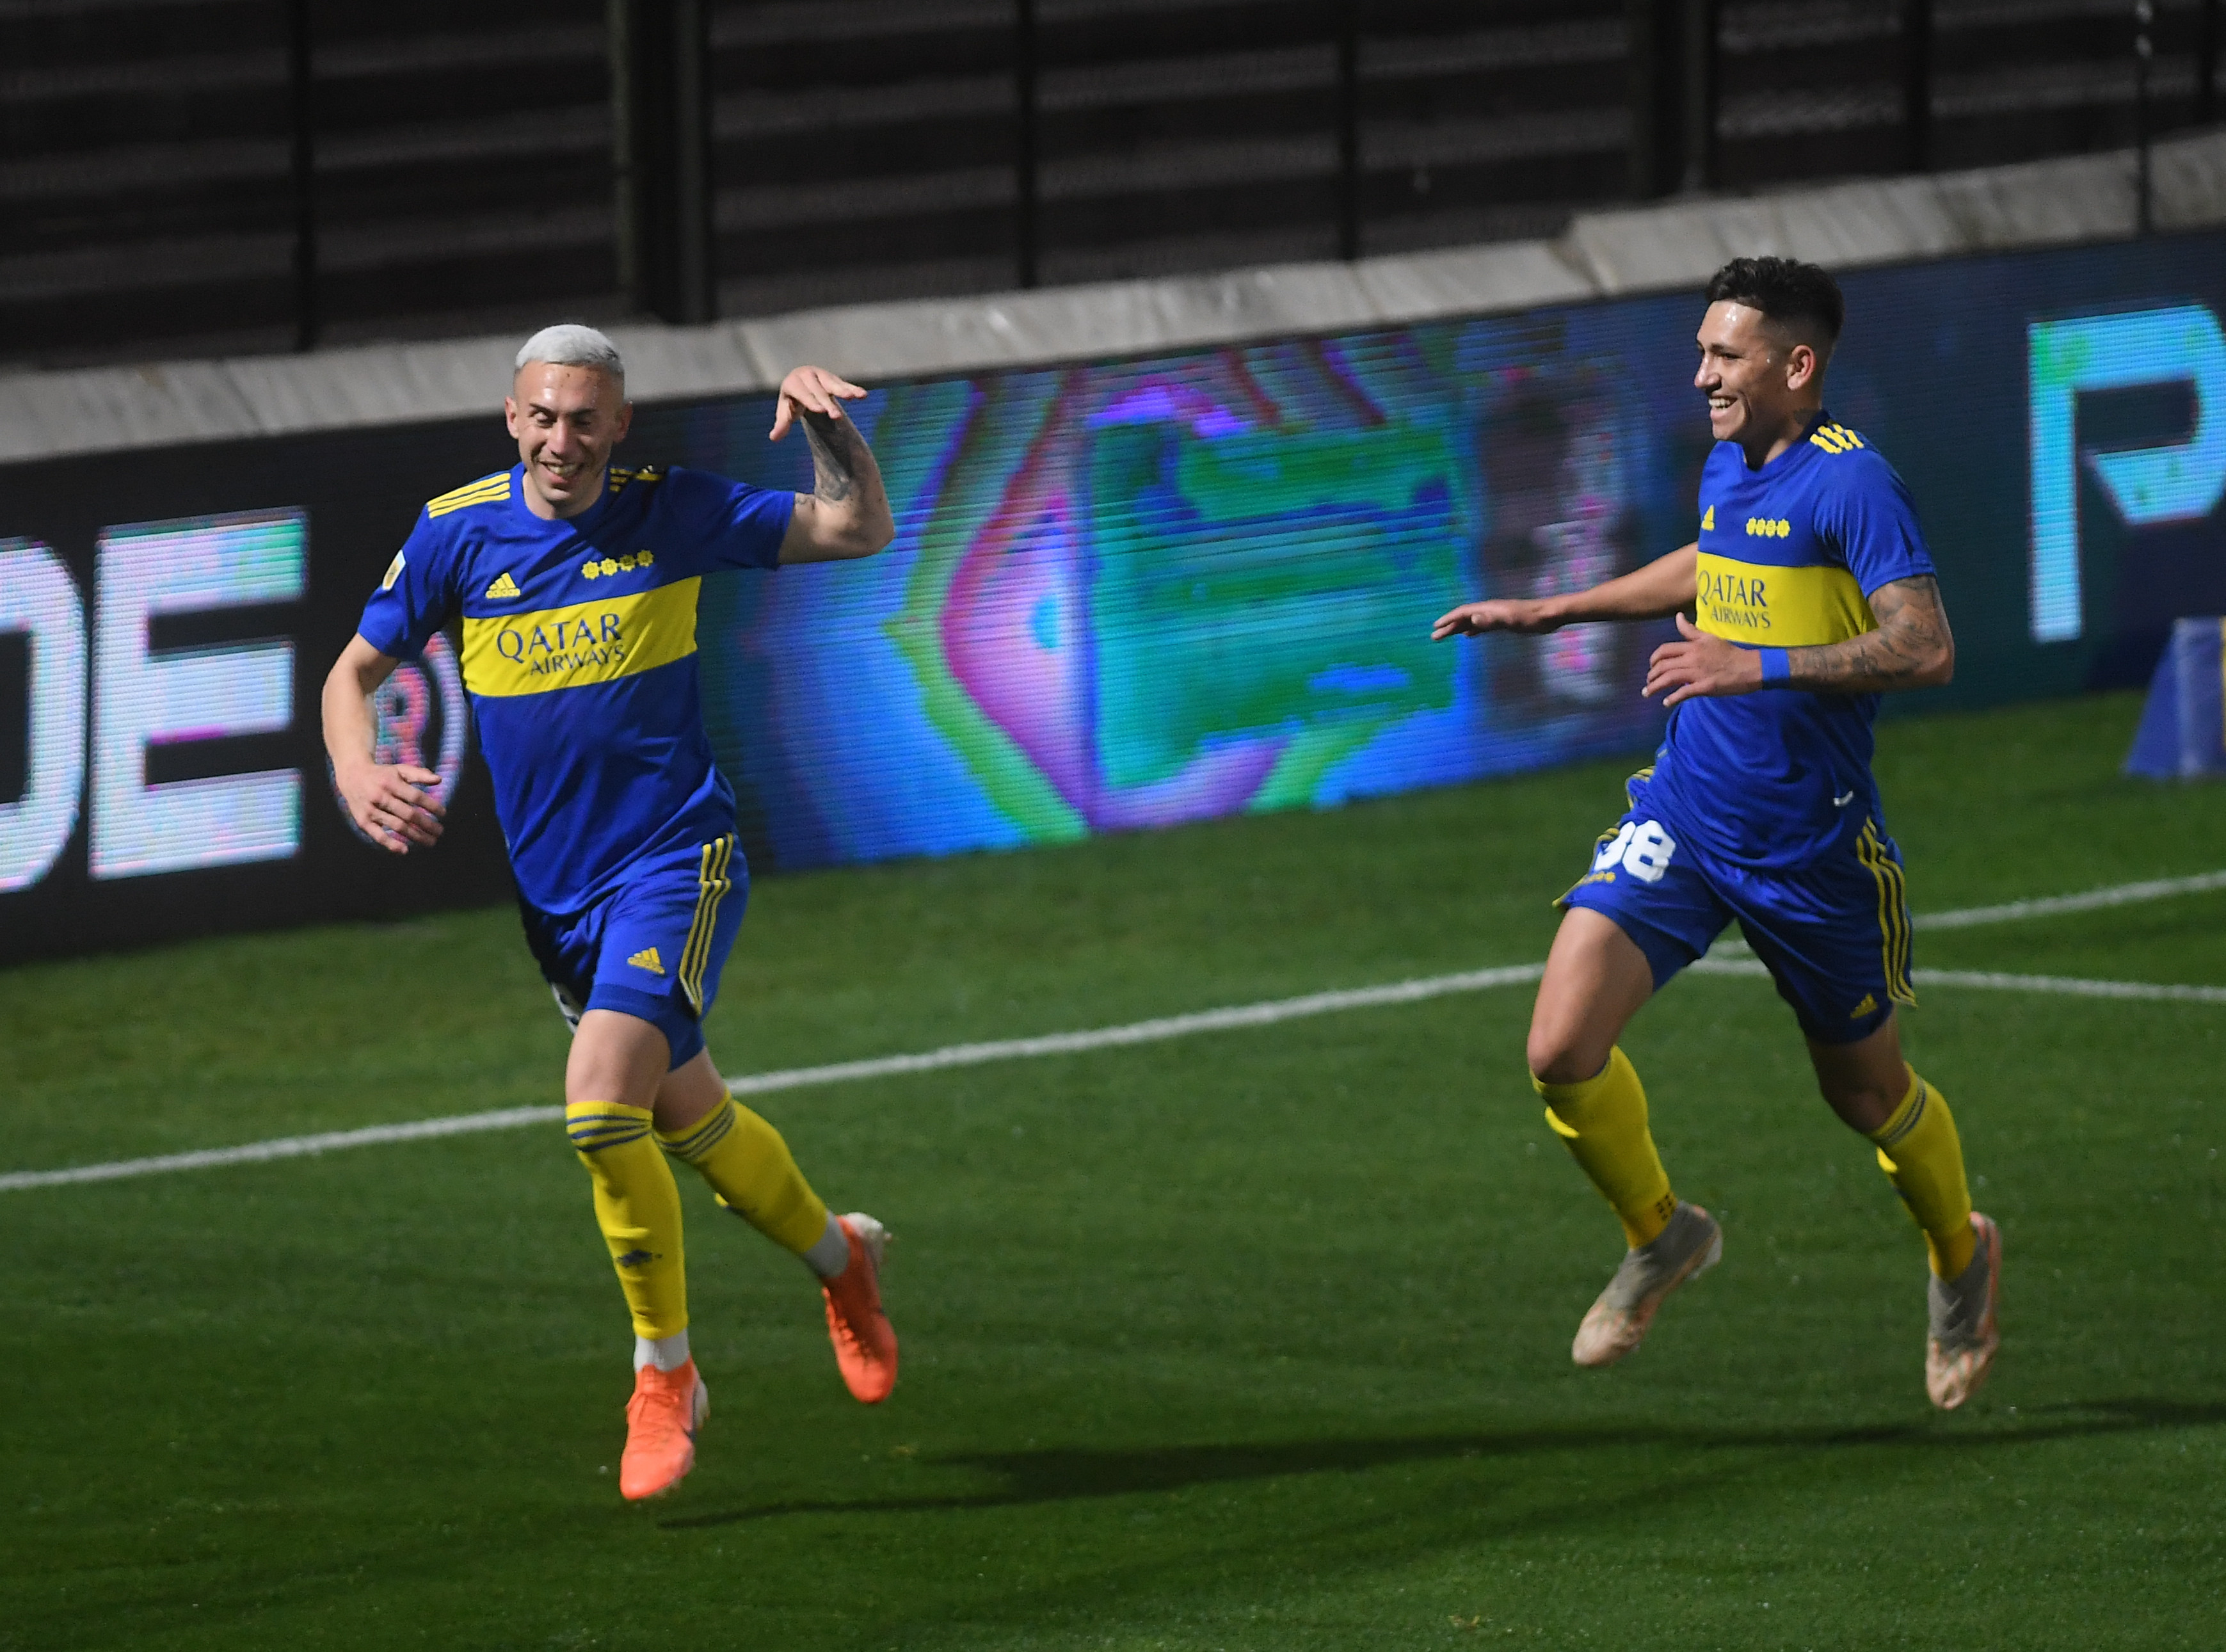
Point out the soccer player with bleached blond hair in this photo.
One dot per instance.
(1812, 593)
(575, 583)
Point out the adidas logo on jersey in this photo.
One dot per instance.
(1708, 521)
(647, 959)
(503, 589)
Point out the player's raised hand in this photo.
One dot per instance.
(391, 803)
(1701, 664)
(1525, 616)
(812, 389)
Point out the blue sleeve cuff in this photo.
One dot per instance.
(394, 645)
(1776, 668)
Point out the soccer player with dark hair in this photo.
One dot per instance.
(1814, 593)
(575, 583)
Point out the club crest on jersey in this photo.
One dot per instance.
(606, 566)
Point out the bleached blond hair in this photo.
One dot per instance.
(569, 344)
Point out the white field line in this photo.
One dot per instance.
(2122, 894)
(954, 1055)
(1994, 981)
(1170, 1026)
(286, 1147)
(1177, 1027)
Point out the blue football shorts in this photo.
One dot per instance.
(653, 946)
(1833, 934)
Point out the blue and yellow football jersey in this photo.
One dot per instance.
(579, 653)
(1789, 558)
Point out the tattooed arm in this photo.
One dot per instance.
(846, 513)
(1911, 648)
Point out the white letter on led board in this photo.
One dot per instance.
(142, 699)
(2178, 481)
(37, 595)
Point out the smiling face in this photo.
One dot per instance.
(1761, 383)
(567, 420)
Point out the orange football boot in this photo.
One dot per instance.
(865, 1342)
(662, 1418)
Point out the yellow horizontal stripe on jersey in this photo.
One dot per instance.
(486, 490)
(1780, 607)
(588, 642)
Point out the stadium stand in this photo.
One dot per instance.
(198, 192)
(267, 175)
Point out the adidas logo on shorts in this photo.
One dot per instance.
(647, 959)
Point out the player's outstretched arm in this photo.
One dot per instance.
(1911, 648)
(1664, 586)
(846, 513)
(387, 801)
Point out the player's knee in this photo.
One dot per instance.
(1861, 1106)
(1562, 1055)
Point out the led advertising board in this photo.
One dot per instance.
(1123, 595)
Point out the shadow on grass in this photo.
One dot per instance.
(1063, 1474)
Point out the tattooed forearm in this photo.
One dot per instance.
(836, 451)
(1911, 649)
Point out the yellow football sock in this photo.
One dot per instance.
(638, 1207)
(750, 1168)
(1921, 1156)
(1602, 1122)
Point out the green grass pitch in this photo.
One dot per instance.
(1258, 1339)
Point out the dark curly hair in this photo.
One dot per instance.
(1801, 298)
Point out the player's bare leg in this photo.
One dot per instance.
(750, 1167)
(1862, 1082)
(686, 1093)
(1596, 979)
(612, 1084)
(1874, 1090)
